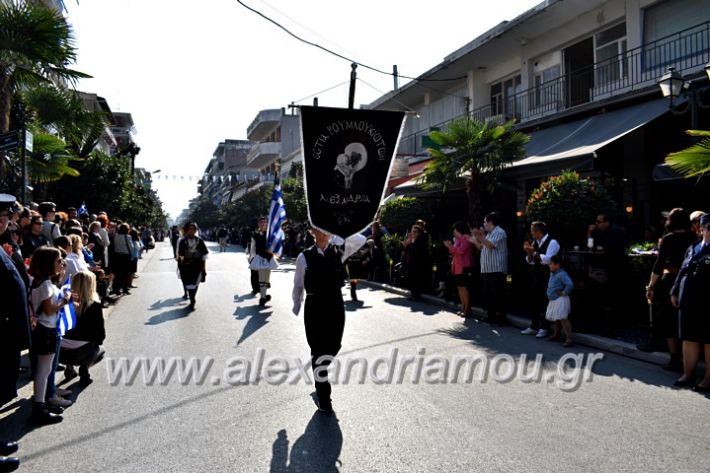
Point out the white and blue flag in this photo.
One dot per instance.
(67, 314)
(83, 209)
(277, 215)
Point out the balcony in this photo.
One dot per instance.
(634, 70)
(264, 123)
(263, 154)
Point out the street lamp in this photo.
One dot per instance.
(673, 85)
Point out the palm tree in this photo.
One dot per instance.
(36, 46)
(64, 111)
(473, 154)
(695, 160)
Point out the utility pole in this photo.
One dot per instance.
(353, 76)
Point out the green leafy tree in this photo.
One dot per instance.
(246, 210)
(295, 199)
(695, 160)
(568, 204)
(472, 154)
(36, 46)
(206, 214)
(398, 215)
(49, 160)
(65, 112)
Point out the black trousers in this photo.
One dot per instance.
(494, 288)
(324, 317)
(9, 365)
(254, 281)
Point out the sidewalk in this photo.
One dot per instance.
(595, 341)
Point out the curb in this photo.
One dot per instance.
(611, 345)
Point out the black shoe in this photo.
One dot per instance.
(8, 448)
(325, 406)
(254, 292)
(262, 301)
(268, 297)
(684, 384)
(54, 409)
(42, 414)
(70, 374)
(191, 307)
(85, 380)
(184, 296)
(127, 292)
(9, 464)
(701, 389)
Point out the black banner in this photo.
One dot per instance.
(347, 155)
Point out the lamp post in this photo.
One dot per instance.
(673, 85)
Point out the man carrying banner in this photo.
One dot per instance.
(347, 156)
(320, 273)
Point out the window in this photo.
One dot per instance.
(674, 36)
(547, 88)
(610, 57)
(504, 100)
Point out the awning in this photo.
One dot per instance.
(578, 141)
(663, 172)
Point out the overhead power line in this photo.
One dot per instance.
(315, 45)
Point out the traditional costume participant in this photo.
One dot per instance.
(347, 155)
(320, 273)
(261, 260)
(192, 253)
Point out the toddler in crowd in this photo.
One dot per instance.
(559, 288)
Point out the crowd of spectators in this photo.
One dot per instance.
(68, 258)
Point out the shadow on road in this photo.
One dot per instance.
(162, 303)
(256, 316)
(423, 307)
(317, 450)
(508, 340)
(168, 315)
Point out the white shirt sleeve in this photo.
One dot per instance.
(298, 280)
(552, 249)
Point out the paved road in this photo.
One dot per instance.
(625, 418)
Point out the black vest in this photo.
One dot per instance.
(540, 270)
(324, 274)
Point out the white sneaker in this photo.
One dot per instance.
(60, 401)
(528, 331)
(542, 333)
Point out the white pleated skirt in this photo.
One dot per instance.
(559, 309)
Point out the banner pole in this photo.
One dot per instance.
(353, 76)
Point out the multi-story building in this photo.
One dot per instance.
(277, 142)
(581, 78)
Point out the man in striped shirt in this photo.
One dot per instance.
(494, 265)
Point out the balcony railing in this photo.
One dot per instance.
(632, 70)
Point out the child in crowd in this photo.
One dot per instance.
(82, 344)
(46, 300)
(559, 288)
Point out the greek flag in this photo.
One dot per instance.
(83, 209)
(277, 215)
(67, 315)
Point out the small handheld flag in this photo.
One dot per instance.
(277, 215)
(67, 314)
(83, 209)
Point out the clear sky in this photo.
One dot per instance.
(193, 74)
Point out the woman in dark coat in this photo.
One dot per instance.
(689, 294)
(418, 261)
(671, 252)
(191, 253)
